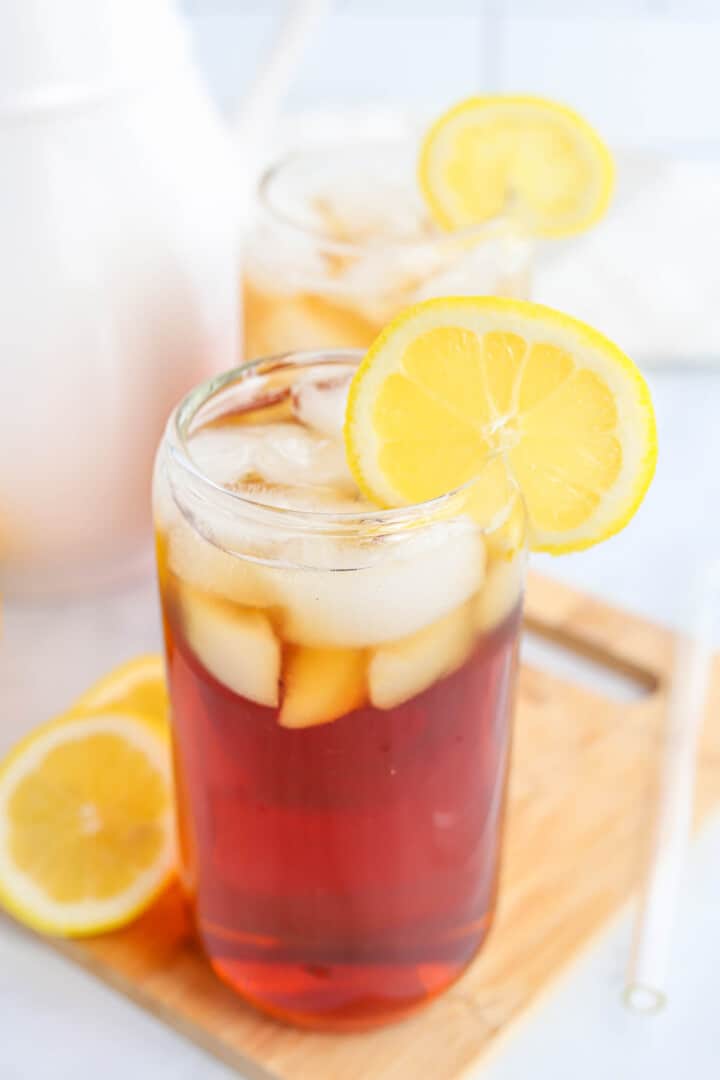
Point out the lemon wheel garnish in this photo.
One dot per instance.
(137, 686)
(455, 382)
(87, 836)
(525, 156)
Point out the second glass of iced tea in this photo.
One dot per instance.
(341, 242)
(342, 684)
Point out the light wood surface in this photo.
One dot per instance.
(580, 807)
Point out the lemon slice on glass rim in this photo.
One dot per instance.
(454, 382)
(534, 159)
(87, 833)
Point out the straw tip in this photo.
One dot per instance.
(644, 999)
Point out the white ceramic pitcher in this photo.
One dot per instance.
(118, 275)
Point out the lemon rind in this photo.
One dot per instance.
(498, 313)
(109, 915)
(116, 684)
(593, 145)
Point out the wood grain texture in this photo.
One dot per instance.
(580, 806)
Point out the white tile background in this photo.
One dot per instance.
(645, 71)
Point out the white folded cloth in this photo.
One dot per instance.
(649, 274)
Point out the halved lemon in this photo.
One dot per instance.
(87, 836)
(526, 156)
(137, 686)
(456, 382)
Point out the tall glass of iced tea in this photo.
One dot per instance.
(342, 241)
(342, 685)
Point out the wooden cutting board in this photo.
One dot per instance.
(580, 808)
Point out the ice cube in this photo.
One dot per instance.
(229, 557)
(281, 264)
(404, 587)
(199, 562)
(322, 319)
(223, 453)
(501, 592)
(382, 281)
(319, 402)
(282, 453)
(497, 264)
(366, 243)
(237, 646)
(321, 685)
(371, 212)
(364, 193)
(399, 671)
(306, 499)
(331, 592)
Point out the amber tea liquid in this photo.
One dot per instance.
(341, 736)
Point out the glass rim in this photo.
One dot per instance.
(375, 521)
(504, 223)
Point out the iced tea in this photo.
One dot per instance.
(341, 682)
(342, 242)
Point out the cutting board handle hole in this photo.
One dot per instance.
(574, 660)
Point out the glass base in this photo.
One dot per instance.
(339, 998)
